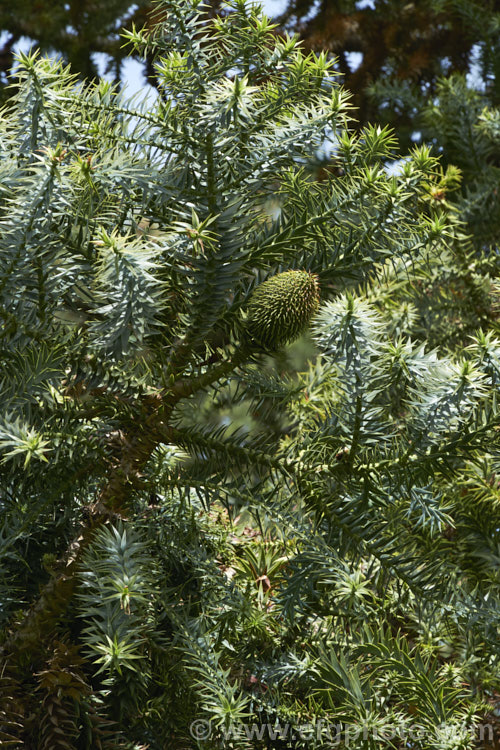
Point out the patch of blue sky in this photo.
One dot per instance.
(329, 146)
(395, 168)
(23, 44)
(274, 7)
(474, 77)
(354, 60)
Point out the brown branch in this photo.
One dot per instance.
(150, 430)
(187, 386)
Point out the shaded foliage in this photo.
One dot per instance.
(335, 558)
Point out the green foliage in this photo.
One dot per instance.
(392, 54)
(463, 125)
(333, 559)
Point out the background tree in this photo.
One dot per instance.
(407, 45)
(157, 569)
(76, 30)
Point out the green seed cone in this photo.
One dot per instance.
(281, 308)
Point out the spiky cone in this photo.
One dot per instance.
(281, 308)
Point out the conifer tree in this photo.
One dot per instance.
(167, 580)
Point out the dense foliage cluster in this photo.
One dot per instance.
(332, 565)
